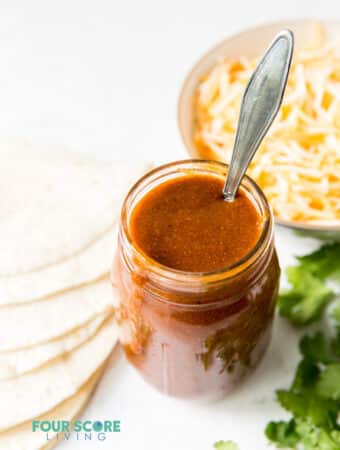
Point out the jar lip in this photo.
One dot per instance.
(180, 275)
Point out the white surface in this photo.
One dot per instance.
(103, 77)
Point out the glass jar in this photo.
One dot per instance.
(194, 334)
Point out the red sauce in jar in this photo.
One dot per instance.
(186, 224)
(197, 279)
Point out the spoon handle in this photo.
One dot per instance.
(260, 104)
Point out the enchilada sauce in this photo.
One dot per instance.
(197, 338)
(185, 224)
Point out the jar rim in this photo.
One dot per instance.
(186, 166)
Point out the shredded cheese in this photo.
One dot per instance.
(298, 163)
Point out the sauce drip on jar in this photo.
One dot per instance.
(185, 224)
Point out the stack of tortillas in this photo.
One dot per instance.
(58, 215)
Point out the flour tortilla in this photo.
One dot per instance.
(36, 393)
(88, 266)
(17, 363)
(53, 208)
(22, 438)
(30, 324)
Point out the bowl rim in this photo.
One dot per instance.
(189, 146)
(305, 226)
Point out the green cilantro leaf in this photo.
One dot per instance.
(328, 385)
(293, 402)
(336, 314)
(316, 438)
(322, 412)
(323, 263)
(305, 301)
(306, 374)
(282, 433)
(335, 345)
(225, 445)
(315, 348)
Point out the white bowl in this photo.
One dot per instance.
(251, 43)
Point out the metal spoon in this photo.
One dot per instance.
(260, 104)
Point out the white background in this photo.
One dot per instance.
(103, 77)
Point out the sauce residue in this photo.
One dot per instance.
(185, 224)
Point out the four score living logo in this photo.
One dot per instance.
(86, 430)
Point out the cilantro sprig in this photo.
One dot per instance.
(313, 398)
(225, 445)
(309, 293)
